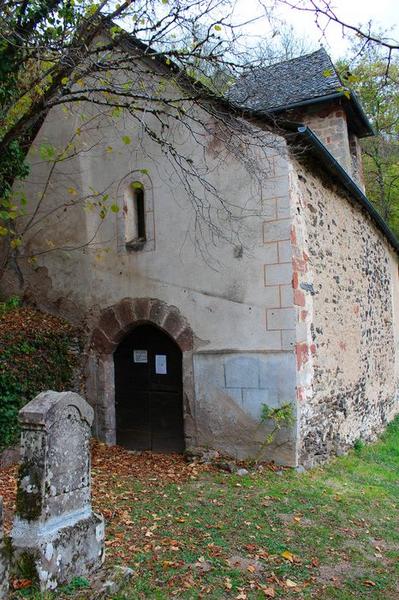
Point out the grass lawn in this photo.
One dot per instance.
(194, 532)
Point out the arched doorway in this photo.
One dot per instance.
(149, 391)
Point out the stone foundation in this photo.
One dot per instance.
(4, 559)
(61, 549)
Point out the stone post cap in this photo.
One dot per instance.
(44, 409)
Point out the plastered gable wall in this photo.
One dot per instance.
(347, 330)
(237, 300)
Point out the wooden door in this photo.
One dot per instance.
(149, 391)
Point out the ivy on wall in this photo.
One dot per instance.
(38, 352)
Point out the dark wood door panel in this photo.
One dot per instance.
(148, 391)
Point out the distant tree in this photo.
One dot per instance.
(379, 94)
(283, 44)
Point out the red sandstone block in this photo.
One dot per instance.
(302, 354)
(300, 393)
(299, 264)
(299, 298)
(185, 340)
(295, 280)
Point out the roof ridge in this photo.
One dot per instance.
(295, 58)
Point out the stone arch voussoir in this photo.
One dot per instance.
(116, 320)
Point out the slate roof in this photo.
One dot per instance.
(286, 83)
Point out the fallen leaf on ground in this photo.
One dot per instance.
(20, 584)
(288, 555)
(268, 592)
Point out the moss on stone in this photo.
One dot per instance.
(29, 504)
(25, 566)
(7, 549)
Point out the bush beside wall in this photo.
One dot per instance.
(37, 353)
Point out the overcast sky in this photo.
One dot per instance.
(383, 13)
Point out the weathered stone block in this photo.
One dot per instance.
(101, 343)
(272, 340)
(272, 296)
(185, 339)
(252, 401)
(288, 339)
(158, 312)
(274, 231)
(284, 251)
(109, 324)
(124, 312)
(61, 549)
(287, 296)
(173, 322)
(241, 372)
(55, 528)
(281, 318)
(270, 255)
(3, 559)
(278, 274)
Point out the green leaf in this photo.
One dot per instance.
(126, 139)
(16, 242)
(136, 185)
(47, 152)
(64, 80)
(217, 28)
(114, 208)
(328, 73)
(144, 171)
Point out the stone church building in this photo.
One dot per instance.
(190, 332)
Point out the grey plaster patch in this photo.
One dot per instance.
(241, 372)
(228, 410)
(55, 526)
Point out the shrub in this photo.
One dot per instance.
(35, 355)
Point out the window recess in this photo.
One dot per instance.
(135, 213)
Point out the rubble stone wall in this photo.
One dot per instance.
(345, 280)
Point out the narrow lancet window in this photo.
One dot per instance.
(135, 227)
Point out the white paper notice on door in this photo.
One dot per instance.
(140, 356)
(160, 364)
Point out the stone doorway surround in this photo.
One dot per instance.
(113, 324)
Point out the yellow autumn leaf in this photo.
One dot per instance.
(290, 584)
(72, 191)
(16, 242)
(288, 555)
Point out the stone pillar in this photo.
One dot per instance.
(55, 529)
(3, 559)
